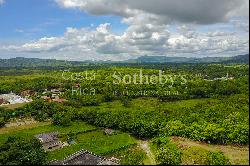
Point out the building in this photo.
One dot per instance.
(58, 100)
(12, 98)
(50, 141)
(84, 157)
(222, 78)
(3, 102)
(56, 91)
(46, 98)
(53, 94)
(108, 131)
(28, 93)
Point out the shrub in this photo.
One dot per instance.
(174, 128)
(2, 122)
(194, 155)
(61, 118)
(217, 158)
(20, 151)
(169, 154)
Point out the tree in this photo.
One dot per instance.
(169, 154)
(61, 118)
(20, 151)
(2, 122)
(217, 158)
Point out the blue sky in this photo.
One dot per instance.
(118, 30)
(33, 19)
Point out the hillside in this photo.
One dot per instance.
(48, 63)
(239, 59)
(164, 59)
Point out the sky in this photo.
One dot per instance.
(123, 29)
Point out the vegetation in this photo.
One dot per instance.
(202, 102)
(75, 127)
(170, 153)
(96, 142)
(22, 151)
(130, 156)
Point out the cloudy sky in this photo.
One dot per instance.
(123, 29)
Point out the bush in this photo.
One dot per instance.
(2, 122)
(174, 128)
(20, 151)
(167, 152)
(217, 158)
(135, 158)
(61, 118)
(196, 155)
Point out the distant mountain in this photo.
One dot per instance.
(161, 59)
(239, 59)
(35, 62)
(21, 62)
(164, 59)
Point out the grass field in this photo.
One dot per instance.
(238, 155)
(97, 142)
(14, 106)
(75, 127)
(151, 104)
(87, 137)
(133, 155)
(15, 129)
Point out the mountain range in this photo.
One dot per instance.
(35, 62)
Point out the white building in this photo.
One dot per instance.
(13, 98)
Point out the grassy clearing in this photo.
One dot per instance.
(178, 105)
(151, 104)
(133, 155)
(97, 142)
(75, 127)
(14, 106)
(237, 155)
(14, 129)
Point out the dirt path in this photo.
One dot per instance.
(151, 158)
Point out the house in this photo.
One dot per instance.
(53, 93)
(50, 141)
(57, 100)
(28, 93)
(12, 98)
(77, 86)
(222, 78)
(85, 158)
(56, 91)
(1, 101)
(46, 98)
(108, 131)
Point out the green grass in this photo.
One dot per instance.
(150, 104)
(96, 142)
(130, 156)
(178, 105)
(75, 127)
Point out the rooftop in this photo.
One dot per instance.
(48, 137)
(84, 158)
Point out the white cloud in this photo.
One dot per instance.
(191, 11)
(155, 27)
(102, 43)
